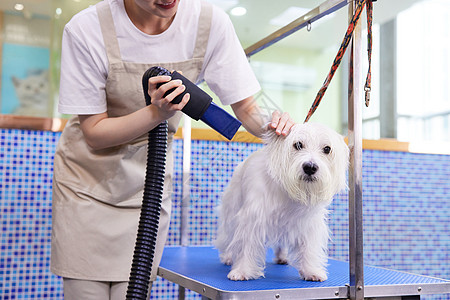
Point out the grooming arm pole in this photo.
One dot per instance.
(315, 14)
(355, 100)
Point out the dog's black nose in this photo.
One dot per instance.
(310, 168)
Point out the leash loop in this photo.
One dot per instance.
(368, 85)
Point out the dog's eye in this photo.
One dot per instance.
(298, 145)
(327, 149)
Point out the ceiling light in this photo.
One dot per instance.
(58, 11)
(19, 7)
(238, 11)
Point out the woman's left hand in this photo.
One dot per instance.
(281, 123)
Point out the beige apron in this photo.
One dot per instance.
(97, 194)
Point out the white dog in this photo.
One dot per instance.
(278, 198)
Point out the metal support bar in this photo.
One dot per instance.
(186, 193)
(322, 10)
(355, 100)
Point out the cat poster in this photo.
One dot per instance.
(25, 81)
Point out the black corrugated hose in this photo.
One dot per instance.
(144, 249)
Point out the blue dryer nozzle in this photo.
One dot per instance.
(200, 105)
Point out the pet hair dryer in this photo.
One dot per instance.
(200, 105)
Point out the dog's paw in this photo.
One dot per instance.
(318, 275)
(237, 274)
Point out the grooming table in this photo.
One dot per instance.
(199, 269)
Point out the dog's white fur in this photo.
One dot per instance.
(271, 201)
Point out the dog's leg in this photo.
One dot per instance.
(247, 247)
(248, 259)
(225, 234)
(309, 254)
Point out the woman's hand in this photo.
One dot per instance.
(281, 123)
(166, 109)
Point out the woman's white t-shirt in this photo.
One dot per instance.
(84, 64)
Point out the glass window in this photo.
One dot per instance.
(423, 76)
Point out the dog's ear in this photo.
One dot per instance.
(269, 136)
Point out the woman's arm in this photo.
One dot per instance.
(254, 120)
(101, 131)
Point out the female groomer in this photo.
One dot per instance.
(99, 165)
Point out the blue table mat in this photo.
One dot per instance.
(202, 264)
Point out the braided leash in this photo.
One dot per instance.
(341, 52)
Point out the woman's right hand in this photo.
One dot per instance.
(166, 109)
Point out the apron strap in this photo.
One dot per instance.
(108, 32)
(204, 27)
